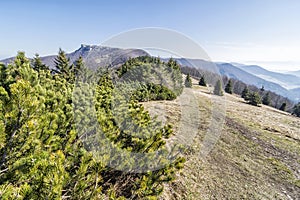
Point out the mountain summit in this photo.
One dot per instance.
(95, 56)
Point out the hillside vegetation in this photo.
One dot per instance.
(62, 138)
(71, 133)
(256, 157)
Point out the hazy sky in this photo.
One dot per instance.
(265, 32)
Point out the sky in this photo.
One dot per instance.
(264, 32)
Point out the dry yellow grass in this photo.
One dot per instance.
(257, 155)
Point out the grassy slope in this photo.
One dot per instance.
(256, 157)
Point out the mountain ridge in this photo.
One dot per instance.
(296, 73)
(231, 71)
(95, 56)
(288, 81)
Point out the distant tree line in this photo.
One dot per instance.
(252, 94)
(267, 97)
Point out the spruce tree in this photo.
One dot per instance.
(283, 106)
(228, 87)
(218, 90)
(78, 66)
(63, 67)
(266, 99)
(245, 93)
(202, 81)
(37, 63)
(188, 81)
(254, 99)
(296, 110)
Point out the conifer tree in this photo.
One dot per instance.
(78, 66)
(245, 93)
(173, 64)
(283, 106)
(63, 67)
(254, 99)
(41, 151)
(2, 74)
(202, 81)
(228, 87)
(218, 90)
(188, 81)
(162, 74)
(266, 99)
(37, 63)
(296, 110)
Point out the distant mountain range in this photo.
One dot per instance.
(288, 81)
(252, 75)
(287, 85)
(296, 73)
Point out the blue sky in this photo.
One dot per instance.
(265, 32)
